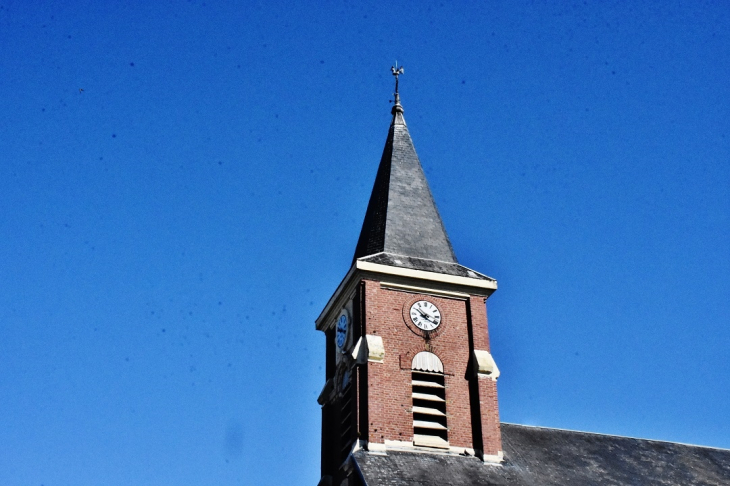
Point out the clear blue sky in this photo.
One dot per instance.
(182, 188)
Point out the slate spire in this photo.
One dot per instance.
(401, 218)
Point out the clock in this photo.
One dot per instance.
(425, 315)
(343, 326)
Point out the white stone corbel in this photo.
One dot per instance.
(360, 352)
(484, 364)
(368, 348)
(326, 392)
(376, 350)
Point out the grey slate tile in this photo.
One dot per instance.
(426, 265)
(402, 217)
(536, 456)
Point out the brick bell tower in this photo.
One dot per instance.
(408, 358)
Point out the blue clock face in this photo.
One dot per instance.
(342, 325)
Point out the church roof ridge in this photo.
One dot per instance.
(618, 436)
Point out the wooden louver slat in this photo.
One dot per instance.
(429, 409)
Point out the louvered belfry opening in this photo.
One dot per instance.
(347, 417)
(429, 401)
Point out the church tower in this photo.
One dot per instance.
(408, 363)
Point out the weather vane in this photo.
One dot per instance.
(397, 71)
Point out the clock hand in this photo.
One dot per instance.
(428, 317)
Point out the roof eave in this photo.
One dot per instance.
(362, 269)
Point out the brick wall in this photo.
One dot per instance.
(389, 383)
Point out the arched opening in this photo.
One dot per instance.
(429, 401)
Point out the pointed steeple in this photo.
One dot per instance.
(401, 218)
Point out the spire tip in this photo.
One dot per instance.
(397, 71)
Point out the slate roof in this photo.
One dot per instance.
(401, 217)
(551, 457)
(425, 265)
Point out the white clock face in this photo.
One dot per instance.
(342, 326)
(425, 315)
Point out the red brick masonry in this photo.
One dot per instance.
(389, 383)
